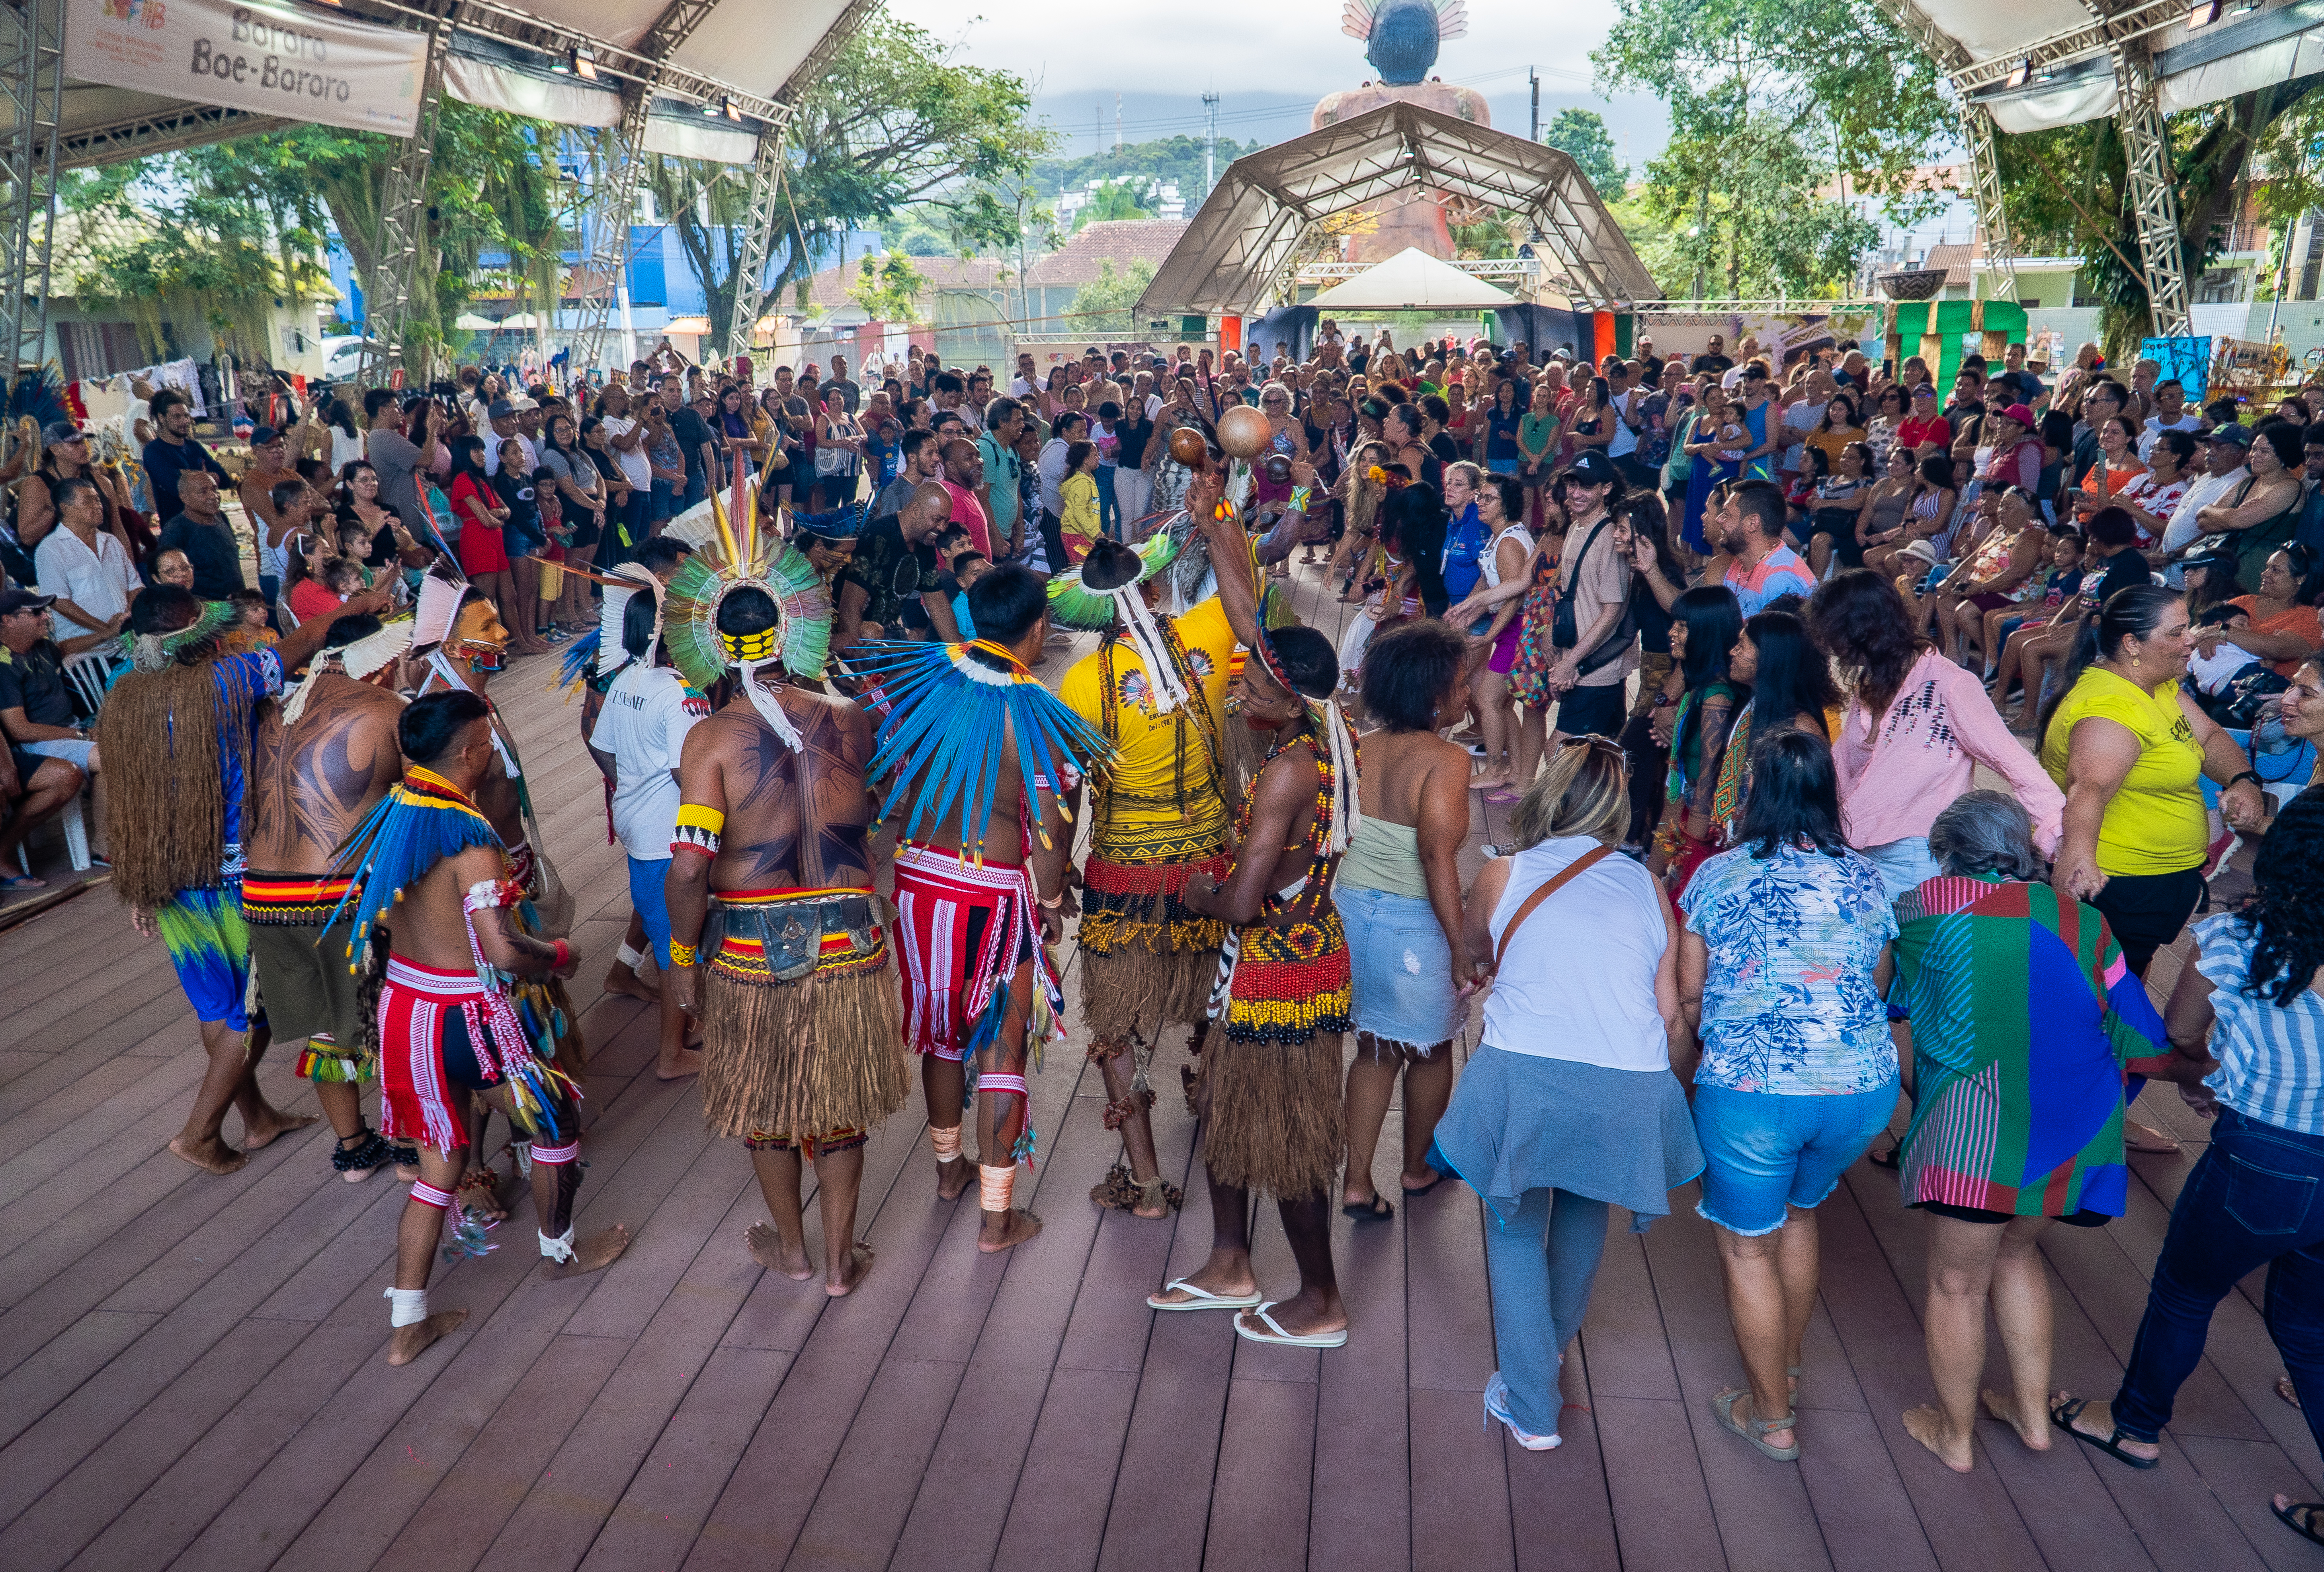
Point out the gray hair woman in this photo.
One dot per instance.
(2023, 1016)
(1570, 1103)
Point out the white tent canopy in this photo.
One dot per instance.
(1412, 281)
(1238, 253)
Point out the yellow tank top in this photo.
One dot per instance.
(2154, 823)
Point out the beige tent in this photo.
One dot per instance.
(1238, 254)
(1412, 281)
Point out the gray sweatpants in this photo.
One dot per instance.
(1542, 1262)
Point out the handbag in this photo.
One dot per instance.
(1564, 632)
(552, 899)
(1548, 887)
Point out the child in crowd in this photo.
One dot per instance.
(250, 631)
(1083, 522)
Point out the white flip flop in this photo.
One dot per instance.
(1204, 1298)
(1276, 1336)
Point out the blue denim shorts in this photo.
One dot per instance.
(1762, 1151)
(1403, 967)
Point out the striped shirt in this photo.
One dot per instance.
(2271, 1056)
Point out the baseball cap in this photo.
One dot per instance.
(2229, 433)
(2023, 414)
(260, 436)
(2226, 559)
(57, 432)
(523, 402)
(502, 410)
(1591, 468)
(23, 600)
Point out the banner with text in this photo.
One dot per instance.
(294, 63)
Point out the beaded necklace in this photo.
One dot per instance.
(1318, 859)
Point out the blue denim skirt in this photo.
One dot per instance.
(1403, 967)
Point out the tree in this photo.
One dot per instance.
(888, 290)
(1104, 304)
(1582, 136)
(1738, 202)
(1178, 159)
(1114, 201)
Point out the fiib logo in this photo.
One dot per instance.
(148, 14)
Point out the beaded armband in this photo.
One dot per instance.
(682, 955)
(697, 830)
(1299, 499)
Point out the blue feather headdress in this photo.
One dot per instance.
(942, 735)
(423, 819)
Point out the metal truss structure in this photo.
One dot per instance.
(32, 83)
(400, 248)
(2153, 201)
(1978, 131)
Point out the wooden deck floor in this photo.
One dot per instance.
(192, 1370)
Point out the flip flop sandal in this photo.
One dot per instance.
(2292, 1517)
(1380, 1210)
(2164, 1150)
(2064, 1414)
(1755, 1429)
(1204, 1298)
(1892, 1160)
(1502, 797)
(1275, 1335)
(1409, 1193)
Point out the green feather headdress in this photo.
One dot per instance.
(159, 651)
(724, 559)
(1072, 604)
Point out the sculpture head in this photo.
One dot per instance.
(1402, 36)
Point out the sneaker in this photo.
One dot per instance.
(2216, 859)
(1496, 1407)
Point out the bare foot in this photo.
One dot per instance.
(766, 1248)
(274, 1122)
(595, 1253)
(1485, 779)
(212, 1156)
(2286, 1391)
(1926, 1425)
(953, 1179)
(625, 980)
(1015, 1227)
(688, 1063)
(851, 1272)
(2034, 1433)
(405, 1343)
(2145, 1138)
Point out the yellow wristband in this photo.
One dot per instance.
(682, 955)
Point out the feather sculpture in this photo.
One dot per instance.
(942, 739)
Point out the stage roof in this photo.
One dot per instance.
(697, 54)
(1237, 252)
(1413, 280)
(2040, 63)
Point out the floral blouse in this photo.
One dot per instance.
(1788, 1004)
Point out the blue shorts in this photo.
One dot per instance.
(1403, 967)
(1762, 1151)
(210, 946)
(646, 876)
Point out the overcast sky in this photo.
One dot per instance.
(1268, 64)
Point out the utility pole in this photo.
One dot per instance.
(1535, 77)
(1210, 141)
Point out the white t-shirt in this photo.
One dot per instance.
(1578, 982)
(493, 441)
(2201, 492)
(1800, 421)
(635, 469)
(345, 449)
(98, 581)
(2155, 428)
(647, 712)
(1624, 441)
(2211, 673)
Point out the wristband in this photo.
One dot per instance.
(1299, 499)
(1051, 902)
(564, 952)
(2250, 775)
(682, 955)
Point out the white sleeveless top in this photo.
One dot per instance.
(1579, 980)
(1488, 562)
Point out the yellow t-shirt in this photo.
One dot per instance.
(1158, 758)
(2154, 823)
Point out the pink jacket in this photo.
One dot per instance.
(1939, 727)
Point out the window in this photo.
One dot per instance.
(94, 349)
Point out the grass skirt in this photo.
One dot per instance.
(1145, 959)
(801, 1060)
(1275, 1123)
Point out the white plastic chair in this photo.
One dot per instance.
(89, 672)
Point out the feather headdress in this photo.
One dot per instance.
(160, 651)
(945, 717)
(360, 658)
(437, 609)
(1076, 603)
(727, 557)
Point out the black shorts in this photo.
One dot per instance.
(2085, 1218)
(2146, 911)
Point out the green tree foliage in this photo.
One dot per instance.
(888, 290)
(1103, 305)
(1115, 200)
(1167, 158)
(1582, 136)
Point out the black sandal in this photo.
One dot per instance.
(1892, 1160)
(1380, 1210)
(2307, 1509)
(2064, 1414)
